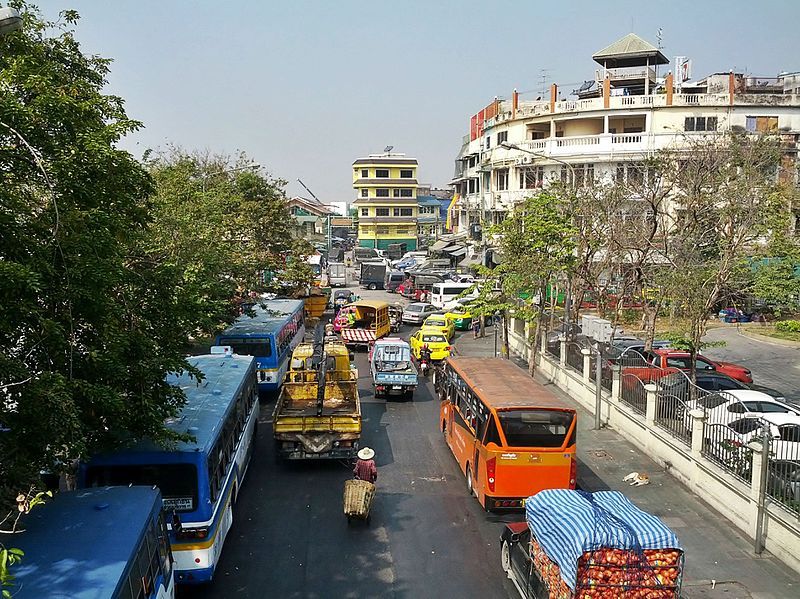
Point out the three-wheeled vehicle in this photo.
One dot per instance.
(395, 317)
(342, 297)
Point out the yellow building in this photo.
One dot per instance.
(386, 200)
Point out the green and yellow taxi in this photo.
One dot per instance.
(460, 316)
(435, 340)
(440, 323)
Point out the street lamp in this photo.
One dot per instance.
(10, 20)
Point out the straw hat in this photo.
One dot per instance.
(366, 454)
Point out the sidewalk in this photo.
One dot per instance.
(714, 549)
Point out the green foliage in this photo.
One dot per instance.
(8, 557)
(683, 341)
(788, 326)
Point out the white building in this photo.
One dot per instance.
(613, 122)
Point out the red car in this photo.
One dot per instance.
(667, 361)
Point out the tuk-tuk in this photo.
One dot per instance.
(342, 297)
(395, 317)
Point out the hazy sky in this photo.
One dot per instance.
(305, 87)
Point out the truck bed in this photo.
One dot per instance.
(300, 399)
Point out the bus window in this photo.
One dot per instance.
(178, 482)
(492, 436)
(535, 428)
(243, 347)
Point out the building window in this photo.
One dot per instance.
(762, 124)
(472, 187)
(381, 173)
(365, 173)
(365, 212)
(501, 179)
(406, 193)
(365, 193)
(406, 174)
(403, 212)
(381, 212)
(501, 137)
(531, 177)
(383, 230)
(488, 142)
(381, 193)
(396, 193)
(700, 123)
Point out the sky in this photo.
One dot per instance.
(305, 87)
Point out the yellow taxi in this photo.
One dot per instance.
(460, 316)
(434, 339)
(440, 323)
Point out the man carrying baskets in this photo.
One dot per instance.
(365, 468)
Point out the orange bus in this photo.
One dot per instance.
(510, 435)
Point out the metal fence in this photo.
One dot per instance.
(635, 372)
(727, 451)
(574, 356)
(676, 396)
(783, 467)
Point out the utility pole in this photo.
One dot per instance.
(327, 218)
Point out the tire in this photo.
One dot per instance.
(470, 488)
(372, 287)
(505, 558)
(444, 428)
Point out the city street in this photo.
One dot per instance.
(427, 537)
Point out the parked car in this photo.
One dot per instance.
(631, 347)
(728, 443)
(783, 480)
(460, 316)
(678, 384)
(417, 312)
(662, 362)
(725, 406)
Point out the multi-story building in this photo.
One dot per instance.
(386, 200)
(623, 115)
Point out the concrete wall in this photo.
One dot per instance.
(701, 476)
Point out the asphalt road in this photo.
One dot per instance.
(427, 536)
(773, 365)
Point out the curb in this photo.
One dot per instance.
(785, 342)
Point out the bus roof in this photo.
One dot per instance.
(502, 384)
(79, 543)
(209, 401)
(269, 316)
(376, 304)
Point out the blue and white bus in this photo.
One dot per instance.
(109, 542)
(199, 480)
(270, 336)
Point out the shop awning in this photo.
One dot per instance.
(467, 262)
(439, 245)
(459, 251)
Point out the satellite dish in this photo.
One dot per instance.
(388, 148)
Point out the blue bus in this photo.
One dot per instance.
(109, 542)
(270, 336)
(199, 480)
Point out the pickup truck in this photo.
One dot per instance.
(318, 413)
(393, 372)
(662, 362)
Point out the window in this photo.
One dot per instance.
(396, 193)
(501, 179)
(178, 482)
(383, 230)
(406, 174)
(248, 347)
(790, 433)
(472, 186)
(381, 173)
(365, 212)
(762, 124)
(364, 193)
(700, 123)
(535, 428)
(488, 142)
(406, 193)
(381, 212)
(406, 212)
(711, 401)
(501, 137)
(745, 425)
(382, 193)
(531, 177)
(365, 173)
(768, 407)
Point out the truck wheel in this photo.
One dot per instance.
(470, 489)
(505, 558)
(372, 286)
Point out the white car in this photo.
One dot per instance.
(728, 442)
(417, 312)
(725, 406)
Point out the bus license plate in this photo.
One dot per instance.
(397, 387)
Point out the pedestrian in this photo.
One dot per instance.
(365, 468)
(476, 327)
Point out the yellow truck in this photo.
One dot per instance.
(318, 413)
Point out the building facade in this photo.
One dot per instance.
(386, 200)
(609, 127)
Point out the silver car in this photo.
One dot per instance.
(417, 312)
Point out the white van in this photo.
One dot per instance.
(337, 276)
(442, 293)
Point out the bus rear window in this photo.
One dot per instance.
(261, 348)
(535, 428)
(177, 482)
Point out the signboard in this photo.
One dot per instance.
(179, 504)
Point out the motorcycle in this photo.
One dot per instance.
(424, 365)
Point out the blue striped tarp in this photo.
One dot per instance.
(568, 523)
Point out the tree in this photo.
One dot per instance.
(536, 240)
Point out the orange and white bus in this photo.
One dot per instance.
(511, 437)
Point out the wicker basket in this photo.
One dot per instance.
(358, 496)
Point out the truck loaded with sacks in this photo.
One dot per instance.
(578, 545)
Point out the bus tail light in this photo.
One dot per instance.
(490, 472)
(573, 473)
